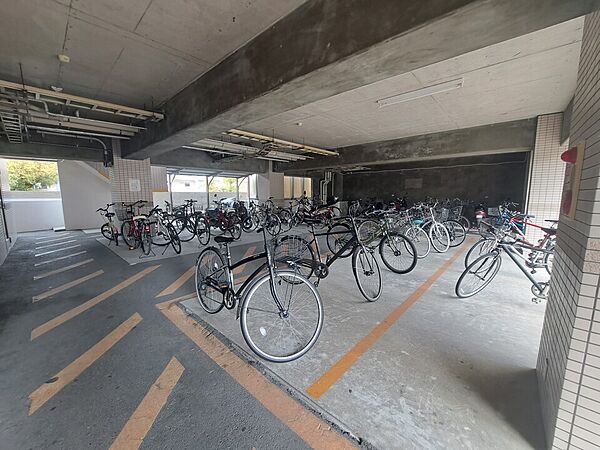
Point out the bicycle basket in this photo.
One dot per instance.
(442, 214)
(121, 213)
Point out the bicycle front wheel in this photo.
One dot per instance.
(146, 240)
(420, 240)
(366, 273)
(456, 232)
(202, 230)
(481, 247)
(398, 253)
(281, 334)
(478, 274)
(440, 239)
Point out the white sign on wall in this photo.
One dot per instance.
(134, 185)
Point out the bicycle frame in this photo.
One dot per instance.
(513, 254)
(237, 293)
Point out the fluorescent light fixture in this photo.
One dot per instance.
(423, 92)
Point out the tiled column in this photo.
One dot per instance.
(569, 360)
(130, 180)
(547, 173)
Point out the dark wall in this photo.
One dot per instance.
(499, 177)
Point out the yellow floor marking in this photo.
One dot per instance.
(66, 286)
(238, 270)
(62, 269)
(133, 433)
(329, 378)
(178, 282)
(59, 320)
(315, 432)
(49, 389)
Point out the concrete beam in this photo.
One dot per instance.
(50, 151)
(326, 47)
(507, 137)
(183, 157)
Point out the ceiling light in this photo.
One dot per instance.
(64, 58)
(423, 92)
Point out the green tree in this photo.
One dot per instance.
(31, 175)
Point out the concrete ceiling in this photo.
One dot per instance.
(134, 52)
(521, 78)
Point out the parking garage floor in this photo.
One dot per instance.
(97, 353)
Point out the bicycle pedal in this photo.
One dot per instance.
(536, 300)
(533, 271)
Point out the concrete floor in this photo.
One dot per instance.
(449, 373)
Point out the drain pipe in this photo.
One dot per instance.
(324, 183)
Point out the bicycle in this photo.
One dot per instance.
(163, 233)
(109, 229)
(397, 252)
(130, 230)
(280, 311)
(298, 253)
(484, 269)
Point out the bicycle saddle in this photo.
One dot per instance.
(224, 239)
(550, 231)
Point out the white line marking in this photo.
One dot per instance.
(54, 245)
(58, 259)
(55, 237)
(62, 269)
(64, 287)
(54, 240)
(57, 250)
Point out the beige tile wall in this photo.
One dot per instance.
(569, 359)
(547, 174)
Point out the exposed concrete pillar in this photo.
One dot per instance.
(270, 184)
(569, 360)
(547, 172)
(130, 180)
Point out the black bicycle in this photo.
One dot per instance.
(280, 311)
(342, 240)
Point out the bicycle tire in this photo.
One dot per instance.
(368, 233)
(107, 231)
(439, 237)
(420, 240)
(146, 240)
(128, 235)
(465, 223)
(364, 267)
(399, 245)
(273, 224)
(482, 246)
(210, 262)
(285, 217)
(481, 267)
(202, 230)
(175, 241)
(187, 233)
(456, 232)
(295, 248)
(264, 341)
(335, 242)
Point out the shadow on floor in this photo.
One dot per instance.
(513, 392)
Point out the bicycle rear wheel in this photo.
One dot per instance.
(210, 274)
(478, 274)
(366, 273)
(285, 216)
(281, 335)
(440, 239)
(398, 253)
(128, 233)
